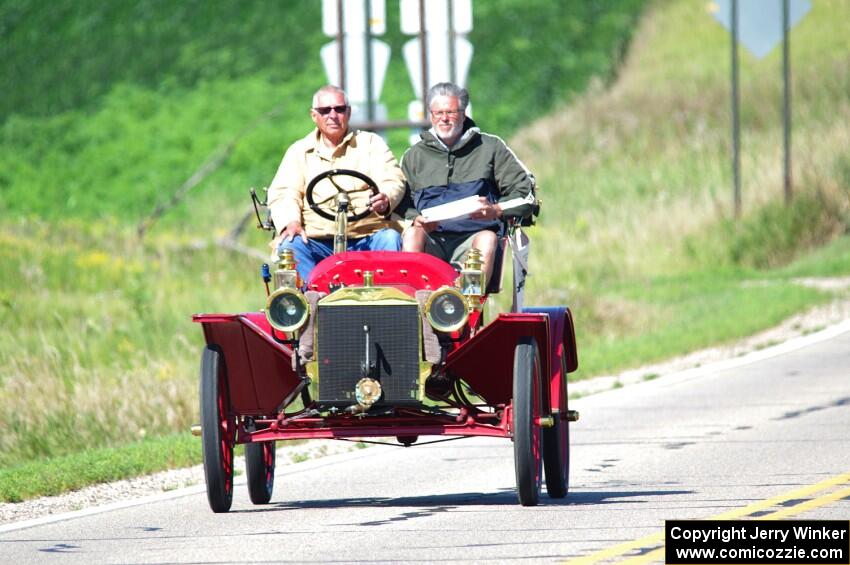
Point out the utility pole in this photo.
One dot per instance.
(736, 122)
(786, 89)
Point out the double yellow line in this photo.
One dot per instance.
(656, 540)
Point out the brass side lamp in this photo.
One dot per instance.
(285, 276)
(472, 279)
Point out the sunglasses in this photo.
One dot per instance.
(325, 110)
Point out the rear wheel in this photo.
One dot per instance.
(526, 412)
(259, 467)
(556, 446)
(218, 431)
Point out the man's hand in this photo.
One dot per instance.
(487, 211)
(292, 229)
(421, 222)
(380, 203)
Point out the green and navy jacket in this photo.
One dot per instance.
(478, 164)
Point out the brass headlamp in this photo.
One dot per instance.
(286, 308)
(446, 309)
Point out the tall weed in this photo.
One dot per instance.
(776, 233)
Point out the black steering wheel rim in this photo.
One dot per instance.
(333, 173)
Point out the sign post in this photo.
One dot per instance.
(736, 121)
(355, 60)
(440, 51)
(760, 26)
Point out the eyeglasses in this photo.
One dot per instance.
(325, 110)
(440, 114)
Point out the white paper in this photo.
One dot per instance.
(452, 210)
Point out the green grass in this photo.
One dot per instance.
(77, 470)
(831, 260)
(666, 317)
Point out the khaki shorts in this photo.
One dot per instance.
(450, 247)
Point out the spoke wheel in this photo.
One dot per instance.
(331, 215)
(556, 446)
(259, 467)
(218, 431)
(526, 412)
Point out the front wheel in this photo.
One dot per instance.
(556, 446)
(218, 431)
(526, 429)
(259, 467)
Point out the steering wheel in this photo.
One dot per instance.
(317, 206)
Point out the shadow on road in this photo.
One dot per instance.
(443, 502)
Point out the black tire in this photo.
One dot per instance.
(217, 431)
(556, 446)
(528, 445)
(259, 467)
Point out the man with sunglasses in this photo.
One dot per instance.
(456, 165)
(333, 146)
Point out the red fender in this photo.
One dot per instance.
(561, 344)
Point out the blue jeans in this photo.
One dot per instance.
(307, 255)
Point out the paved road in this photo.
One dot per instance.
(739, 440)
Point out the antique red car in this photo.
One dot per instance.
(384, 345)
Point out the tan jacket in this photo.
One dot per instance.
(360, 150)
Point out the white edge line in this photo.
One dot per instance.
(789, 346)
(288, 469)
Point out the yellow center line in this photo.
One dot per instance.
(616, 550)
(808, 505)
(654, 555)
(655, 539)
(658, 554)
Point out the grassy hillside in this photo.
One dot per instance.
(116, 104)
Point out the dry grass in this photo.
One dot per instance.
(100, 348)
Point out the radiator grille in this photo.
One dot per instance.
(394, 349)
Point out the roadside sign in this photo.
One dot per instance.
(437, 16)
(355, 66)
(759, 21)
(447, 54)
(439, 64)
(353, 17)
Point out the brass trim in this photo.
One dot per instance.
(425, 368)
(357, 295)
(473, 260)
(367, 392)
(312, 370)
(286, 260)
